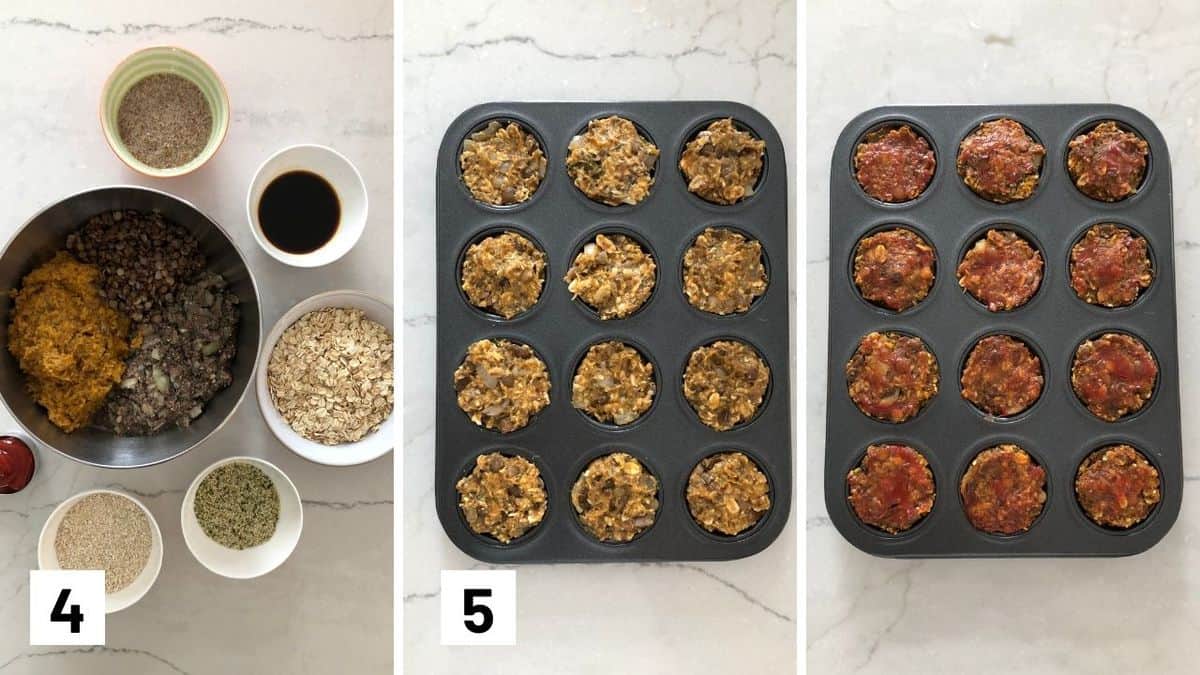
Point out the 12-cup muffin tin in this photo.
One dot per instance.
(669, 439)
(1057, 431)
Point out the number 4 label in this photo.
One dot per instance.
(66, 607)
(479, 607)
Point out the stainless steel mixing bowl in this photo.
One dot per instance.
(38, 240)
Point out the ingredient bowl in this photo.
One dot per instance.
(373, 445)
(152, 61)
(347, 184)
(113, 602)
(37, 241)
(258, 560)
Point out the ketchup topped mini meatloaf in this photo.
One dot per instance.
(894, 268)
(892, 488)
(1107, 163)
(1004, 490)
(1002, 376)
(894, 164)
(1117, 486)
(891, 376)
(1110, 266)
(1000, 161)
(1001, 270)
(1114, 375)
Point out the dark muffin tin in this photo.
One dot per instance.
(1057, 431)
(669, 439)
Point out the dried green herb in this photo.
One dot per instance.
(164, 120)
(237, 506)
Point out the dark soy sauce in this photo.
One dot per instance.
(299, 212)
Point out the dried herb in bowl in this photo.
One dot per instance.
(164, 120)
(237, 505)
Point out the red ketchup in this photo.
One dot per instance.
(16, 464)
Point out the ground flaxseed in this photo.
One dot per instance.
(237, 505)
(164, 120)
(105, 531)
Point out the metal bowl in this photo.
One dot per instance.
(38, 240)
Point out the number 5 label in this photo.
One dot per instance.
(66, 607)
(479, 607)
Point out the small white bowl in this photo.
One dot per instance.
(371, 447)
(250, 562)
(113, 602)
(346, 182)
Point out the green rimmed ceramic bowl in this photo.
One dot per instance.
(151, 61)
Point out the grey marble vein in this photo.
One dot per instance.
(219, 25)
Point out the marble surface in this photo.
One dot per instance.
(657, 618)
(1139, 614)
(318, 73)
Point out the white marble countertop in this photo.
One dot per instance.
(1135, 614)
(321, 74)
(655, 618)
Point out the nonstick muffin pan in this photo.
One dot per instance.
(669, 439)
(1058, 431)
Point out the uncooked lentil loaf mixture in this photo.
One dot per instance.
(1114, 375)
(330, 375)
(614, 383)
(891, 376)
(725, 382)
(504, 274)
(69, 343)
(502, 384)
(503, 496)
(894, 268)
(722, 163)
(613, 275)
(611, 162)
(1107, 163)
(502, 164)
(723, 271)
(1004, 490)
(1117, 486)
(892, 488)
(728, 493)
(1002, 270)
(105, 531)
(1002, 376)
(615, 498)
(1110, 266)
(1000, 161)
(894, 164)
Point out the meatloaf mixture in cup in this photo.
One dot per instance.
(1114, 375)
(891, 376)
(725, 383)
(892, 488)
(613, 275)
(722, 163)
(1107, 163)
(503, 274)
(613, 384)
(1110, 266)
(1002, 376)
(728, 493)
(1117, 486)
(1000, 161)
(1004, 490)
(894, 269)
(502, 164)
(503, 496)
(615, 498)
(894, 164)
(723, 271)
(502, 384)
(611, 162)
(1001, 270)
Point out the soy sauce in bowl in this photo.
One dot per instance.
(299, 212)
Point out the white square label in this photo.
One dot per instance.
(66, 607)
(479, 607)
